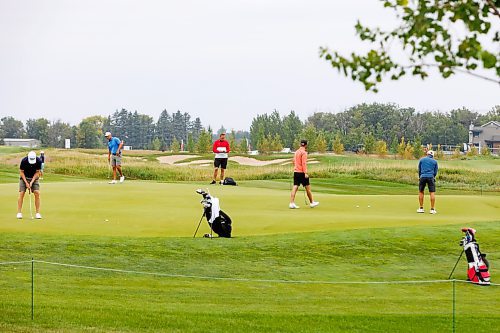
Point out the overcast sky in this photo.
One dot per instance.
(224, 61)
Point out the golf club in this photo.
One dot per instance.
(31, 206)
(109, 170)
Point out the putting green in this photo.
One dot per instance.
(145, 209)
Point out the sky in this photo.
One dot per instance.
(224, 61)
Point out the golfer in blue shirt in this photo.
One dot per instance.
(115, 156)
(427, 172)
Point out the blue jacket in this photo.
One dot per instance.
(427, 167)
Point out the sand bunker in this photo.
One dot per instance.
(174, 158)
(254, 162)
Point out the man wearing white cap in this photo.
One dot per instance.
(29, 172)
(427, 172)
(115, 156)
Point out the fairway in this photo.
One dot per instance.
(148, 209)
(305, 270)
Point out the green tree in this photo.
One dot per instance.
(89, 132)
(156, 144)
(402, 147)
(191, 145)
(264, 145)
(292, 126)
(408, 152)
(175, 145)
(204, 144)
(321, 142)
(451, 36)
(232, 140)
(12, 128)
(418, 151)
(338, 147)
(309, 133)
(38, 129)
(381, 148)
(243, 146)
(369, 143)
(58, 132)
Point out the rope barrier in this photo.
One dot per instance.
(216, 278)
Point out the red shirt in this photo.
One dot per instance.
(220, 153)
(300, 160)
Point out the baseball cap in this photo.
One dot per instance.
(107, 134)
(430, 152)
(303, 142)
(32, 157)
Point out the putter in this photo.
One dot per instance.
(109, 170)
(31, 208)
(460, 256)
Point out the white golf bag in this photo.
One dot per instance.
(477, 271)
(218, 221)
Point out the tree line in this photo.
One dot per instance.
(366, 127)
(370, 127)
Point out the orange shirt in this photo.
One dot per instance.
(300, 160)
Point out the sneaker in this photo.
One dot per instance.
(38, 216)
(112, 182)
(293, 206)
(221, 183)
(122, 179)
(433, 211)
(19, 215)
(314, 204)
(420, 210)
(213, 182)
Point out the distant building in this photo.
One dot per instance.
(487, 135)
(27, 143)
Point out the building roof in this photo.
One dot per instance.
(494, 138)
(494, 123)
(18, 140)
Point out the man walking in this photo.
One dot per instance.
(300, 176)
(29, 172)
(427, 171)
(115, 156)
(221, 150)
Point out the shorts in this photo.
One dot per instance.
(299, 178)
(34, 187)
(220, 163)
(116, 160)
(429, 181)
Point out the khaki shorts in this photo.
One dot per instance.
(34, 187)
(116, 160)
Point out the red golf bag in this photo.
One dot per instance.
(477, 271)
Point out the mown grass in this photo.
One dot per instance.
(78, 300)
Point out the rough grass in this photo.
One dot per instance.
(470, 175)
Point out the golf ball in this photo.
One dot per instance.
(106, 220)
(357, 206)
(369, 206)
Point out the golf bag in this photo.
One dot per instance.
(218, 221)
(477, 271)
(229, 181)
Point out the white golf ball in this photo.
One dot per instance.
(369, 206)
(357, 206)
(106, 220)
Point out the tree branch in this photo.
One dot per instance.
(457, 70)
(493, 7)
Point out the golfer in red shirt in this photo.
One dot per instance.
(221, 150)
